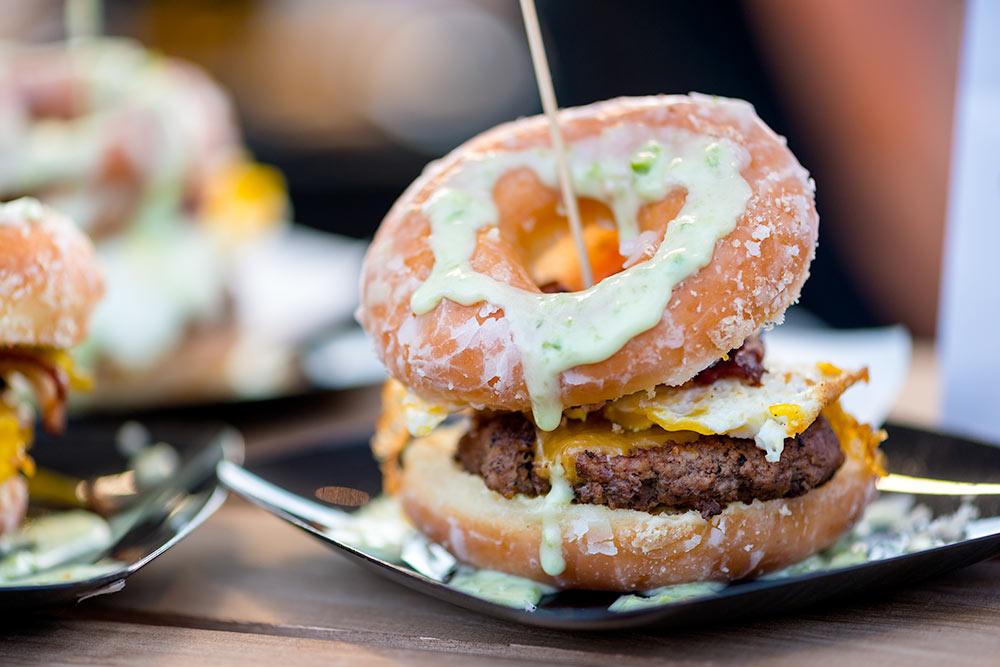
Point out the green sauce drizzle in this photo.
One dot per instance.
(635, 165)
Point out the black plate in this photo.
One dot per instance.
(170, 513)
(910, 451)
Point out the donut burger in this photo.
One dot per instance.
(49, 283)
(625, 435)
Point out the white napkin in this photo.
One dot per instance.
(345, 359)
(290, 286)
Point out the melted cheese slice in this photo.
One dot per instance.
(14, 441)
(243, 199)
(595, 435)
(787, 402)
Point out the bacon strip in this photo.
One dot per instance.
(49, 382)
(745, 362)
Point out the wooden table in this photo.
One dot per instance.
(247, 588)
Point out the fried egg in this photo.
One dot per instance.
(786, 403)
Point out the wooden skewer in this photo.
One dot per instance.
(548, 95)
(82, 19)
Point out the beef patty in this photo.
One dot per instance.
(705, 474)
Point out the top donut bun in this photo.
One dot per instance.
(462, 355)
(49, 277)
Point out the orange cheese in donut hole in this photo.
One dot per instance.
(450, 287)
(532, 222)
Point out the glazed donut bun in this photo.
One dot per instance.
(49, 277)
(622, 549)
(465, 354)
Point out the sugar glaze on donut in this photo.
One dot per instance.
(713, 213)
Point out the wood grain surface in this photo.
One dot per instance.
(247, 588)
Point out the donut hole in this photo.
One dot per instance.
(533, 224)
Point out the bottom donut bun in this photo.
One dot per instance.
(13, 502)
(621, 549)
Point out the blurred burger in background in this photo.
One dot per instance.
(145, 153)
(49, 284)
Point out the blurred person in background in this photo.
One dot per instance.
(870, 89)
(351, 98)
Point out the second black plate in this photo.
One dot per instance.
(163, 518)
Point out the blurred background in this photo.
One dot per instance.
(348, 99)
